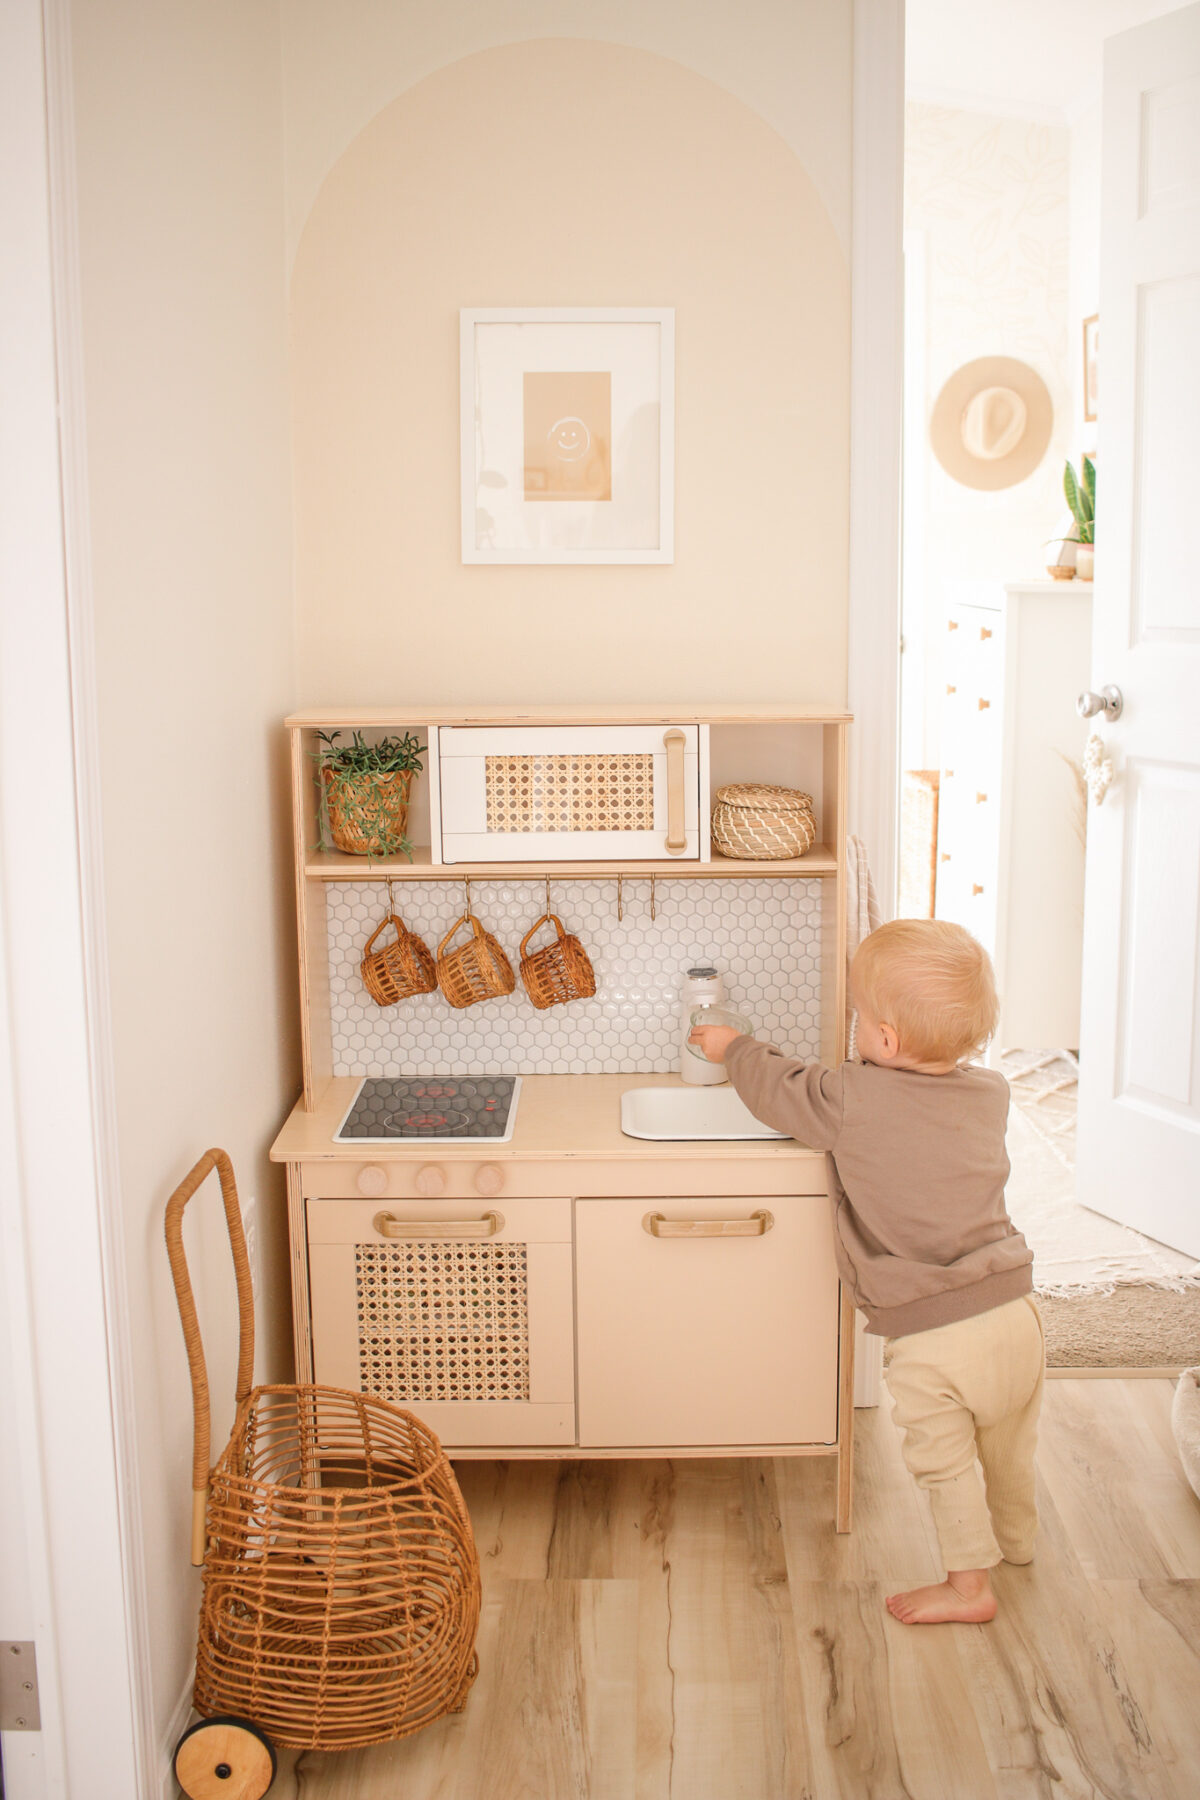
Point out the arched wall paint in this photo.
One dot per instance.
(574, 173)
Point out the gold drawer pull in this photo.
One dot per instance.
(950, 688)
(984, 634)
(676, 840)
(983, 705)
(757, 1225)
(952, 625)
(975, 888)
(389, 1226)
(979, 799)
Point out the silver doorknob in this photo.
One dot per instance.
(1108, 701)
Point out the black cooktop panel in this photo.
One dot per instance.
(432, 1108)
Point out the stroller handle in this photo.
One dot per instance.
(202, 1433)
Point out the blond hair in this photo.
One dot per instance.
(933, 982)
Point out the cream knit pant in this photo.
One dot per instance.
(967, 1390)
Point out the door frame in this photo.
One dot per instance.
(876, 430)
(79, 1582)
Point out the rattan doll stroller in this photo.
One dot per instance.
(341, 1584)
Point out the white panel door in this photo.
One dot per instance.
(1139, 1097)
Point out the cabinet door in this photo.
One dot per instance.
(459, 1310)
(686, 1338)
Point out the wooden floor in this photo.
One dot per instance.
(695, 1631)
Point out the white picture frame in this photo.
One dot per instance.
(567, 419)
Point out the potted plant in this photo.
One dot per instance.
(1081, 498)
(366, 788)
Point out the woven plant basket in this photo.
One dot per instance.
(476, 970)
(368, 814)
(559, 971)
(401, 969)
(341, 1582)
(756, 821)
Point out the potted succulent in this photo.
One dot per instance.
(366, 788)
(1081, 498)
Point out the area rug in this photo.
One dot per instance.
(1109, 1297)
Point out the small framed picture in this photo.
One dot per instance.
(568, 434)
(1091, 360)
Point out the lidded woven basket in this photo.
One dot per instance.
(476, 970)
(559, 971)
(757, 821)
(401, 969)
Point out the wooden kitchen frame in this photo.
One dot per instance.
(573, 1192)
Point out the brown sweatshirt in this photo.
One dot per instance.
(917, 1168)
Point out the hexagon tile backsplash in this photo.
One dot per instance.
(764, 936)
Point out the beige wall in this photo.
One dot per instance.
(576, 173)
(180, 214)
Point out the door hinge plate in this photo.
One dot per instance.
(19, 1708)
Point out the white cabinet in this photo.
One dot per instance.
(706, 1322)
(460, 1309)
(1010, 816)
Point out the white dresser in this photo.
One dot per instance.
(1010, 819)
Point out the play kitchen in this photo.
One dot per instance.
(519, 1202)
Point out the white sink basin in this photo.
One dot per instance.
(689, 1114)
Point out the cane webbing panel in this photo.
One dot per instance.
(441, 1320)
(613, 792)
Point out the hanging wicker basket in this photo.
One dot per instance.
(401, 969)
(559, 971)
(341, 1583)
(476, 970)
(755, 821)
(368, 814)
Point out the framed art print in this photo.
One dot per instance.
(568, 445)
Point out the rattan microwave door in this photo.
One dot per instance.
(578, 793)
(460, 1311)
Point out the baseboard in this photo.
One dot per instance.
(1116, 1374)
(176, 1726)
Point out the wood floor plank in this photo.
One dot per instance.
(718, 1679)
(893, 1539)
(1058, 1715)
(1118, 1489)
(1156, 1627)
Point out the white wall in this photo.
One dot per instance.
(180, 186)
(1085, 265)
(987, 200)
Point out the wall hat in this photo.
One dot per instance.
(991, 422)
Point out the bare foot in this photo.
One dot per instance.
(965, 1597)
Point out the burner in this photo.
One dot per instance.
(426, 1121)
(435, 1091)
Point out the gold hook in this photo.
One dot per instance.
(391, 897)
(620, 898)
(467, 885)
(547, 893)
(653, 910)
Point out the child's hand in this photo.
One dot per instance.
(713, 1040)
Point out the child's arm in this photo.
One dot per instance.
(802, 1098)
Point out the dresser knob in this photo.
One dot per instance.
(489, 1178)
(430, 1180)
(372, 1179)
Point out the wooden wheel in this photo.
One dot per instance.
(224, 1759)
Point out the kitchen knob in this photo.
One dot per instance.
(1108, 701)
(430, 1180)
(489, 1178)
(372, 1179)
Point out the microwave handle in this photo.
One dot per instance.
(675, 740)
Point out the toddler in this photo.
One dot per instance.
(924, 1244)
